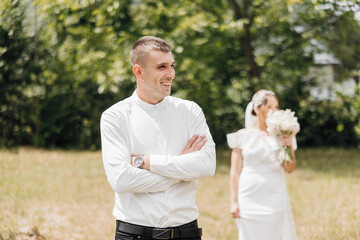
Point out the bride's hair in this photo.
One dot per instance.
(261, 98)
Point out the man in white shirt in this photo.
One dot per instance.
(154, 148)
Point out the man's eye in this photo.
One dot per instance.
(161, 67)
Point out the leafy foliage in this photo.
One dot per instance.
(17, 71)
(64, 62)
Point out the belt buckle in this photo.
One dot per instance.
(163, 233)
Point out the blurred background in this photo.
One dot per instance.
(63, 62)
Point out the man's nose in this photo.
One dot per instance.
(170, 74)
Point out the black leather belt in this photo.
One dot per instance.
(189, 230)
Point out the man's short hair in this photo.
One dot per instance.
(144, 45)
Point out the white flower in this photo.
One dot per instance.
(283, 122)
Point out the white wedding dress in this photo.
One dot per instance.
(265, 211)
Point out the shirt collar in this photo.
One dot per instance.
(148, 106)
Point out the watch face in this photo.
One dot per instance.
(138, 161)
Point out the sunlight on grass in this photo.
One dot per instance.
(65, 195)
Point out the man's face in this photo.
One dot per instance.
(157, 75)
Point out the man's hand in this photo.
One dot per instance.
(194, 144)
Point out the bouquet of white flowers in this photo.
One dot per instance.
(280, 123)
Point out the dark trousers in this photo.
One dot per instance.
(122, 235)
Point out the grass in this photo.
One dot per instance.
(50, 195)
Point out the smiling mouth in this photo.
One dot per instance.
(166, 84)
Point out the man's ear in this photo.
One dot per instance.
(137, 71)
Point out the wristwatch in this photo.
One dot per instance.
(139, 161)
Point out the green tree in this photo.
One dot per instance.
(71, 61)
(82, 74)
(228, 49)
(17, 70)
(343, 39)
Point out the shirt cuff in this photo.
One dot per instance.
(158, 163)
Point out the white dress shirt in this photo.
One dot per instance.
(165, 195)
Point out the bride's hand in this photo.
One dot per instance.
(234, 210)
(286, 140)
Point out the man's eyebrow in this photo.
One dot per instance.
(165, 63)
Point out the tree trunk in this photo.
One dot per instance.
(254, 69)
(250, 56)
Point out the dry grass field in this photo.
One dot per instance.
(53, 195)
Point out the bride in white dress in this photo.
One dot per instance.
(258, 195)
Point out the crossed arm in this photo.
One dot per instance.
(194, 144)
(162, 171)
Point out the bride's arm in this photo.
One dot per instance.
(235, 171)
(289, 166)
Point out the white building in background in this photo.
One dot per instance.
(324, 73)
